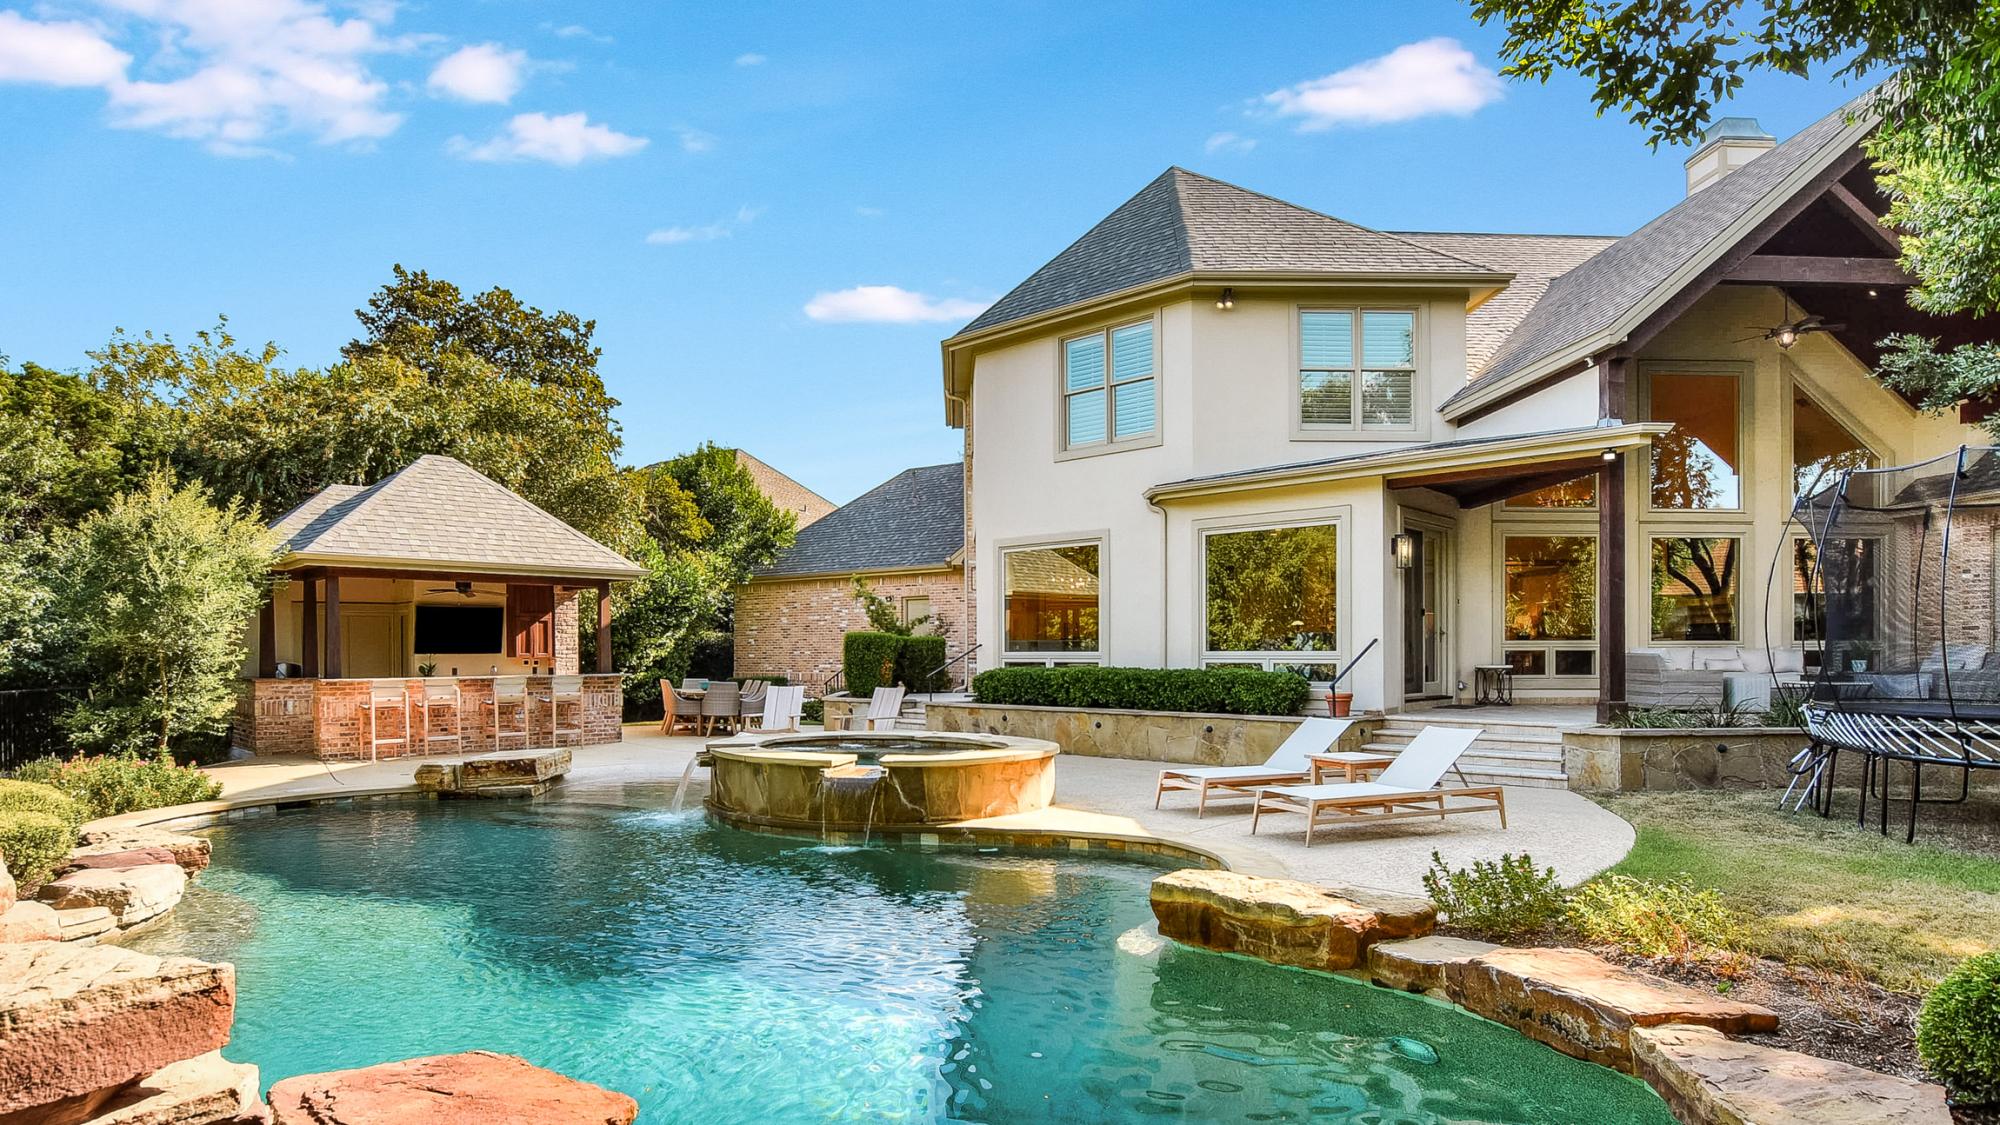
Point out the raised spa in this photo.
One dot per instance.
(859, 781)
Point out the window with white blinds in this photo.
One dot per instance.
(1108, 386)
(1357, 368)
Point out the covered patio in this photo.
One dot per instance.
(432, 587)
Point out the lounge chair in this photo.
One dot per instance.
(1407, 788)
(782, 708)
(1286, 763)
(884, 707)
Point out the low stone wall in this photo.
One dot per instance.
(1184, 737)
(1616, 760)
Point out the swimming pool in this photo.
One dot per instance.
(722, 976)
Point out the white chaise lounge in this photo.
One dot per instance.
(1286, 763)
(1408, 788)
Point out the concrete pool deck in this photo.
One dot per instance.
(1095, 796)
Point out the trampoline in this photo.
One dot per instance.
(1895, 591)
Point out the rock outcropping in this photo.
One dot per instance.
(1283, 921)
(476, 1086)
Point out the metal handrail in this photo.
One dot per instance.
(947, 665)
(834, 683)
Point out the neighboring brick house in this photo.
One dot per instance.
(785, 492)
(906, 537)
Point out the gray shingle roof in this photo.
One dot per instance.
(439, 512)
(1596, 295)
(912, 520)
(1183, 222)
(1533, 259)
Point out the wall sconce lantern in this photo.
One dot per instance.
(1404, 547)
(1227, 300)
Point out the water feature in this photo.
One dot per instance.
(721, 976)
(861, 781)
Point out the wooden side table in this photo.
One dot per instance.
(1493, 683)
(1353, 764)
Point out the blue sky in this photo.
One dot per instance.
(745, 183)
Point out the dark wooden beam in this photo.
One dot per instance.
(1493, 472)
(332, 627)
(604, 626)
(1799, 269)
(1871, 226)
(309, 628)
(267, 637)
(1611, 588)
(1519, 486)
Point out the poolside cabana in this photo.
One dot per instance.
(433, 569)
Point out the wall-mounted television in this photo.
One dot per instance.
(459, 629)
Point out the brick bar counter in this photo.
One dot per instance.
(328, 719)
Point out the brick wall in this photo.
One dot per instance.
(329, 719)
(568, 641)
(793, 627)
(274, 717)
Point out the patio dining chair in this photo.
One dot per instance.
(678, 710)
(718, 706)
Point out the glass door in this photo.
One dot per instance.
(1426, 594)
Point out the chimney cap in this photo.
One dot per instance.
(1735, 129)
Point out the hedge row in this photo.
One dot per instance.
(873, 660)
(38, 827)
(1228, 691)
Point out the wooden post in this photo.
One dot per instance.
(333, 627)
(267, 637)
(604, 626)
(309, 629)
(1614, 400)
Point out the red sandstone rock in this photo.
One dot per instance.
(191, 852)
(29, 921)
(80, 1019)
(473, 1088)
(1706, 1076)
(134, 894)
(1282, 921)
(7, 893)
(206, 1090)
(112, 861)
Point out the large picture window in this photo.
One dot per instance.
(1551, 608)
(1822, 448)
(1694, 588)
(1357, 367)
(1698, 464)
(1271, 592)
(1051, 599)
(1108, 387)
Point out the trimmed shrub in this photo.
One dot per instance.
(1675, 920)
(1958, 1031)
(37, 830)
(1228, 691)
(918, 663)
(813, 712)
(869, 660)
(1503, 898)
(107, 785)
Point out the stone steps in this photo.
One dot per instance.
(1504, 754)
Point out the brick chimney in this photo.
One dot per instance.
(1726, 145)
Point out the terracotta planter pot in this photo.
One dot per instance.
(1342, 703)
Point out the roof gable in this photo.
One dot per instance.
(1184, 223)
(784, 491)
(914, 520)
(442, 512)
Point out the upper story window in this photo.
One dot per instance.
(1357, 368)
(1822, 448)
(1699, 463)
(1108, 387)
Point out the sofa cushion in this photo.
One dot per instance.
(1788, 660)
(1677, 659)
(1719, 660)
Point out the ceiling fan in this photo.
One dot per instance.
(462, 589)
(1787, 333)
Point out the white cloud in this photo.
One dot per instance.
(751, 58)
(57, 54)
(694, 140)
(706, 232)
(1228, 142)
(1434, 76)
(888, 304)
(569, 139)
(867, 212)
(578, 31)
(483, 72)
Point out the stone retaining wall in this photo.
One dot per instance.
(1616, 760)
(1157, 736)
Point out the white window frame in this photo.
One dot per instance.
(1112, 443)
(1341, 520)
(1301, 429)
(1010, 657)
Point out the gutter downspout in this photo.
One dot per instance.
(1165, 662)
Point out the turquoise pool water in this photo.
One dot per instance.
(720, 976)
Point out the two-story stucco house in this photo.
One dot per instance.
(1222, 429)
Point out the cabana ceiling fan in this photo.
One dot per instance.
(1787, 332)
(462, 589)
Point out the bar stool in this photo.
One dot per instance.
(385, 697)
(431, 699)
(510, 691)
(565, 690)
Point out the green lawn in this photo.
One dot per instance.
(1825, 893)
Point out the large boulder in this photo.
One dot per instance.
(80, 1019)
(1282, 921)
(7, 892)
(112, 861)
(1583, 1005)
(85, 921)
(29, 921)
(1708, 1078)
(191, 852)
(1418, 965)
(205, 1090)
(476, 1086)
(132, 894)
